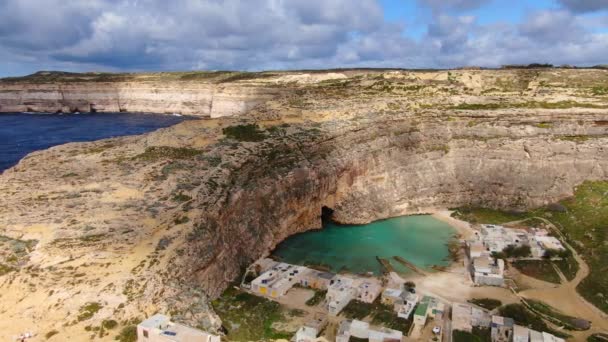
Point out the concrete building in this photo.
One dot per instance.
(406, 304)
(502, 329)
(159, 328)
(317, 279)
(390, 296)
(428, 307)
(340, 293)
(362, 330)
(306, 334)
(278, 280)
(476, 249)
(488, 271)
(421, 314)
(480, 318)
(369, 290)
(520, 333)
(535, 336)
(461, 317)
(385, 335)
(550, 338)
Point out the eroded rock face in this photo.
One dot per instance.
(142, 224)
(198, 99)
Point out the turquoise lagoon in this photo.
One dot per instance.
(421, 239)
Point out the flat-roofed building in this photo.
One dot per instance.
(406, 304)
(159, 328)
(340, 293)
(520, 333)
(502, 329)
(390, 296)
(488, 271)
(461, 317)
(536, 336)
(369, 290)
(318, 280)
(550, 338)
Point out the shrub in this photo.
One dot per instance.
(512, 251)
(127, 334)
(109, 324)
(249, 132)
(51, 334)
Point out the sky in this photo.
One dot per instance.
(252, 35)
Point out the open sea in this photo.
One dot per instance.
(22, 133)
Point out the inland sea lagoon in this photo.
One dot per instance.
(421, 240)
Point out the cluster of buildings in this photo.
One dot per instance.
(278, 277)
(310, 331)
(505, 330)
(363, 330)
(159, 328)
(487, 270)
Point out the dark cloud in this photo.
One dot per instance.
(581, 6)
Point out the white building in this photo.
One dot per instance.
(369, 290)
(390, 296)
(362, 330)
(520, 333)
(488, 271)
(406, 304)
(159, 328)
(340, 293)
(502, 329)
(278, 280)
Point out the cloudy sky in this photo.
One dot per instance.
(136, 35)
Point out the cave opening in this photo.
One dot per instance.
(326, 214)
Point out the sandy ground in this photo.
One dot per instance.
(464, 228)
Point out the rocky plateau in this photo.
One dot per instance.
(167, 220)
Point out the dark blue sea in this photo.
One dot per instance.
(22, 133)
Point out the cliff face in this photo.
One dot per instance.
(153, 95)
(145, 224)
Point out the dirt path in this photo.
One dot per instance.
(566, 298)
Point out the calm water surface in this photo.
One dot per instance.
(22, 133)
(421, 240)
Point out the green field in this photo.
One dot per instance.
(539, 269)
(248, 317)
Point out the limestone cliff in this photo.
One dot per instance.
(146, 223)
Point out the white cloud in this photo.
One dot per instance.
(273, 34)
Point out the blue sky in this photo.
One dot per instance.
(150, 35)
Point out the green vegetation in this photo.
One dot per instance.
(4, 269)
(567, 265)
(156, 153)
(109, 324)
(51, 334)
(477, 335)
(181, 197)
(317, 298)
(598, 91)
(525, 317)
(483, 215)
(539, 269)
(512, 251)
(598, 338)
(486, 303)
(530, 104)
(250, 132)
(545, 125)
(88, 310)
(381, 314)
(127, 334)
(557, 317)
(248, 317)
